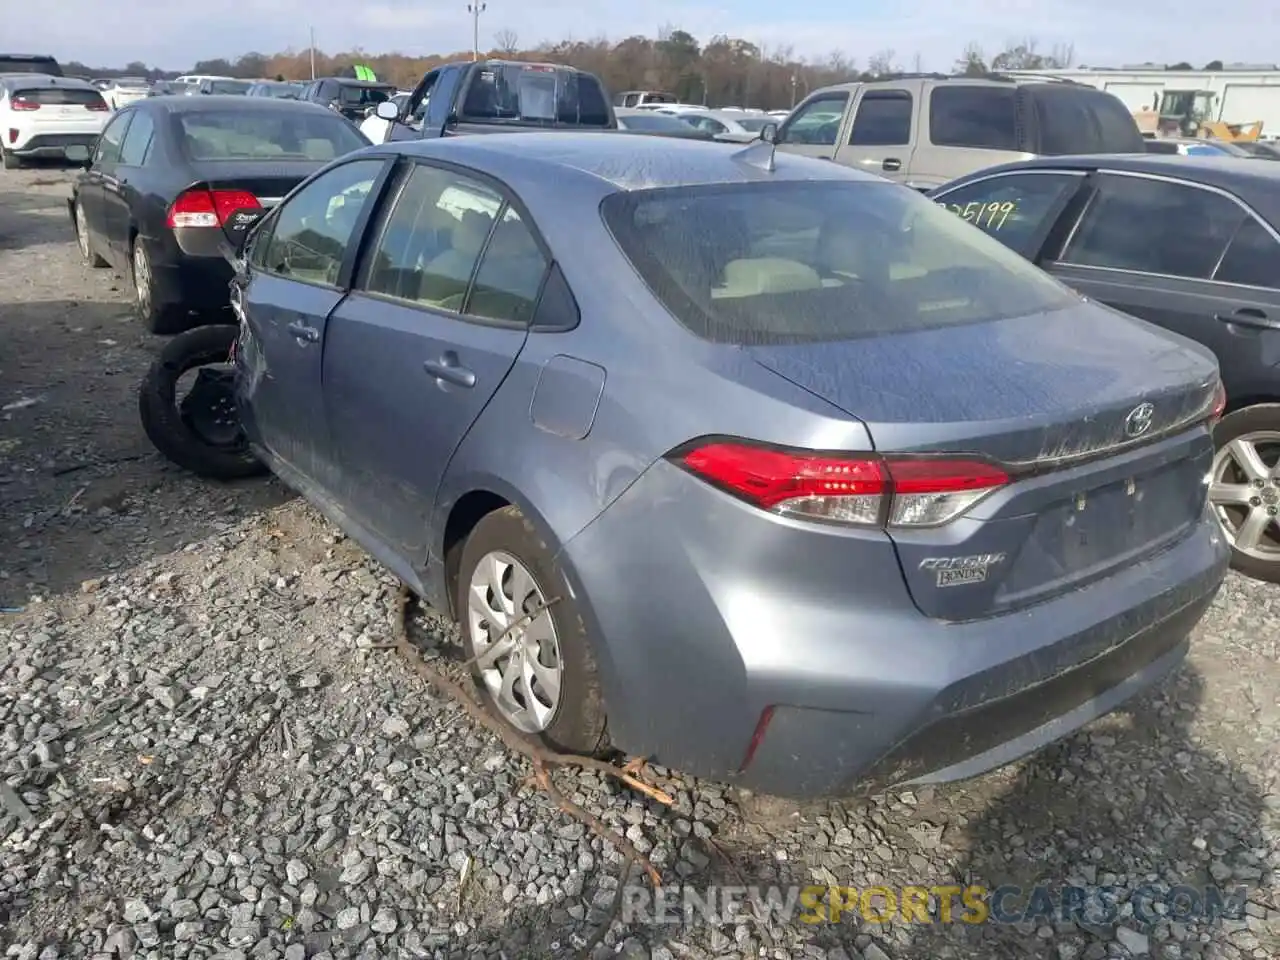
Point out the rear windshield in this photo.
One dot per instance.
(352, 95)
(229, 86)
(45, 65)
(536, 95)
(650, 120)
(282, 135)
(1073, 120)
(797, 262)
(60, 96)
(753, 124)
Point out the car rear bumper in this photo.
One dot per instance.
(51, 145)
(708, 619)
(190, 281)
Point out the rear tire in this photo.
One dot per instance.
(170, 430)
(577, 723)
(1253, 429)
(160, 318)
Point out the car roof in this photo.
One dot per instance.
(183, 104)
(1224, 172)
(622, 161)
(43, 80)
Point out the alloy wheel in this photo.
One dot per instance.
(513, 642)
(142, 278)
(82, 231)
(1244, 489)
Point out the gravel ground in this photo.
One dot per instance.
(168, 622)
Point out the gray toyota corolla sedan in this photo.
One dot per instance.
(772, 471)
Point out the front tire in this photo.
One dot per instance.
(82, 238)
(203, 437)
(541, 677)
(1245, 488)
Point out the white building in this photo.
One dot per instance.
(1242, 94)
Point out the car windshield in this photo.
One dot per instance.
(536, 94)
(267, 135)
(132, 83)
(229, 86)
(654, 121)
(753, 124)
(352, 95)
(60, 96)
(795, 262)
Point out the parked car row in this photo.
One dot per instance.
(828, 417)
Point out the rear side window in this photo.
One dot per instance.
(1253, 258)
(287, 135)
(797, 262)
(883, 119)
(1154, 226)
(1072, 120)
(60, 97)
(970, 115)
(352, 95)
(1161, 146)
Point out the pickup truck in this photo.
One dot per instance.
(499, 96)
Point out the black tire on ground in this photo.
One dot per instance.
(1259, 418)
(163, 421)
(163, 319)
(9, 160)
(579, 724)
(90, 259)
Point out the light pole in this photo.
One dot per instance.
(312, 50)
(475, 9)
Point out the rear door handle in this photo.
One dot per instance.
(1250, 317)
(449, 370)
(893, 163)
(304, 333)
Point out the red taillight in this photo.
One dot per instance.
(209, 208)
(17, 103)
(1219, 403)
(13, 135)
(99, 107)
(865, 490)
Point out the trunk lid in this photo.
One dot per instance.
(268, 181)
(1089, 409)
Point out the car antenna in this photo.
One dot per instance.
(759, 155)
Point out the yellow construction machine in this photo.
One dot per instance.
(1186, 113)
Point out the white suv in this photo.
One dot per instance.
(40, 116)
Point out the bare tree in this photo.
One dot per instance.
(972, 63)
(508, 41)
(881, 64)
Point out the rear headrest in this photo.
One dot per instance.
(471, 232)
(512, 239)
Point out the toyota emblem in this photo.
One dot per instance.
(1139, 420)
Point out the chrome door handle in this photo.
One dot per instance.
(304, 333)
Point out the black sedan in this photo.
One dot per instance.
(172, 179)
(1191, 244)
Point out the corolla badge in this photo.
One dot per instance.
(1139, 420)
(958, 571)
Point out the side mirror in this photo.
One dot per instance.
(769, 133)
(78, 154)
(387, 110)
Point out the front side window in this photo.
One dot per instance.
(311, 232)
(883, 119)
(798, 262)
(432, 245)
(1154, 226)
(266, 135)
(1015, 209)
(973, 115)
(137, 142)
(816, 123)
(108, 148)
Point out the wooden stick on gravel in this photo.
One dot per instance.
(541, 758)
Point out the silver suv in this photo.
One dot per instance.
(924, 130)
